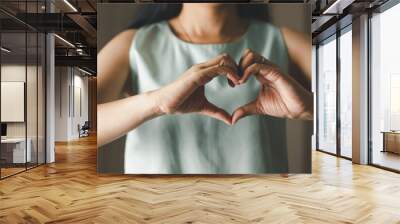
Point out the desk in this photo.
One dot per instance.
(391, 141)
(13, 150)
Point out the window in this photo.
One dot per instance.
(385, 89)
(327, 96)
(345, 42)
(334, 106)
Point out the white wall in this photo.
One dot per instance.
(12, 100)
(33, 126)
(12, 73)
(70, 83)
(81, 84)
(16, 73)
(61, 103)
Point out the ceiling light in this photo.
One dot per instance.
(70, 5)
(337, 7)
(80, 51)
(65, 41)
(5, 50)
(84, 71)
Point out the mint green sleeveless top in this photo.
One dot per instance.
(196, 144)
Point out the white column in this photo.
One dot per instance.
(50, 99)
(50, 92)
(360, 90)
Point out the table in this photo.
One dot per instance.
(13, 150)
(391, 141)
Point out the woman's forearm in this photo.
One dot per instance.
(119, 117)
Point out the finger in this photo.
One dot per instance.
(233, 77)
(246, 51)
(243, 111)
(204, 76)
(229, 62)
(214, 61)
(249, 59)
(222, 59)
(231, 84)
(253, 69)
(246, 59)
(215, 112)
(264, 72)
(216, 70)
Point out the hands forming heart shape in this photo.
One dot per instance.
(280, 95)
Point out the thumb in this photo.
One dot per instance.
(215, 112)
(244, 111)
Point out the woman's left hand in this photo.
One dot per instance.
(280, 95)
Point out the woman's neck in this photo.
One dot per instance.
(208, 23)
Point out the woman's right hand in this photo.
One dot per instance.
(186, 94)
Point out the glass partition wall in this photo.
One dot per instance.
(385, 89)
(334, 94)
(345, 92)
(22, 88)
(13, 91)
(326, 85)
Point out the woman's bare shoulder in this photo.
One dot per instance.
(299, 48)
(113, 61)
(294, 35)
(118, 46)
(123, 38)
(127, 34)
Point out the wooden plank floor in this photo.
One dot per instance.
(70, 191)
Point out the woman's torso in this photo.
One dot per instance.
(192, 143)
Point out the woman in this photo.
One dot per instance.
(178, 68)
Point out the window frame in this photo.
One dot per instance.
(333, 37)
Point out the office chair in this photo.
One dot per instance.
(84, 130)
